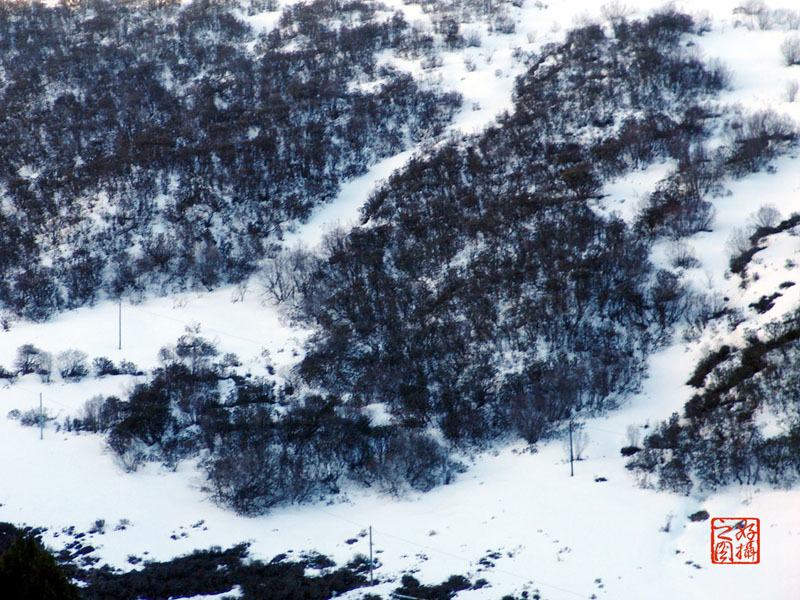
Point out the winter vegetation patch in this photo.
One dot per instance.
(482, 295)
(160, 146)
(723, 435)
(602, 233)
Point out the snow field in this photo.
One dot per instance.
(517, 509)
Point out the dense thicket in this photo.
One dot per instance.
(260, 447)
(742, 426)
(483, 294)
(165, 145)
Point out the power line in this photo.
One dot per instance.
(206, 329)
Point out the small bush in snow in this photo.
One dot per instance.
(739, 241)
(681, 256)
(71, 364)
(103, 366)
(27, 359)
(766, 217)
(99, 526)
(702, 22)
(31, 359)
(580, 442)
(100, 414)
(32, 417)
(791, 90)
(755, 13)
(790, 49)
(789, 18)
(45, 367)
(473, 38)
(127, 367)
(615, 11)
(503, 23)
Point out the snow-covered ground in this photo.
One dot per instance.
(516, 517)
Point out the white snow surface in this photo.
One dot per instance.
(568, 537)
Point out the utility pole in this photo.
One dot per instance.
(571, 470)
(41, 418)
(120, 323)
(371, 579)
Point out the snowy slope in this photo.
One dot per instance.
(516, 518)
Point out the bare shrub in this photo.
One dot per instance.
(721, 73)
(765, 20)
(681, 255)
(580, 442)
(34, 417)
(702, 22)
(751, 7)
(432, 62)
(757, 138)
(472, 38)
(45, 366)
(767, 217)
(755, 13)
(72, 364)
(27, 359)
(615, 11)
(100, 414)
(791, 90)
(503, 23)
(739, 241)
(283, 276)
(791, 19)
(790, 49)
(632, 435)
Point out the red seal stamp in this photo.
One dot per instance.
(735, 541)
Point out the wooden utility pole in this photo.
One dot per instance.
(120, 324)
(571, 469)
(371, 578)
(41, 417)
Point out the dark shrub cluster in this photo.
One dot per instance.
(216, 571)
(483, 294)
(159, 146)
(443, 591)
(720, 438)
(308, 452)
(261, 446)
(757, 138)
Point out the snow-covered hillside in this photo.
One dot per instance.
(515, 517)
